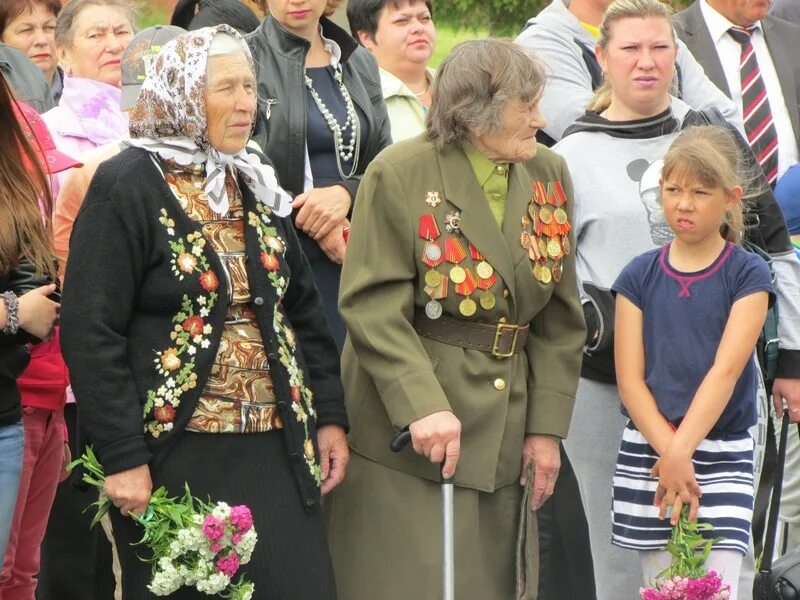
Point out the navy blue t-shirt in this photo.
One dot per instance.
(684, 318)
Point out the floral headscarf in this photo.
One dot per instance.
(169, 119)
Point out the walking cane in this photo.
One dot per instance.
(399, 441)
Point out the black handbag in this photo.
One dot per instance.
(779, 580)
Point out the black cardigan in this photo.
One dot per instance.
(144, 310)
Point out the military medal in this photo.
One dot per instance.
(457, 274)
(433, 309)
(467, 307)
(432, 254)
(537, 272)
(565, 243)
(545, 215)
(557, 271)
(560, 215)
(435, 282)
(433, 278)
(488, 300)
(546, 276)
(554, 248)
(432, 199)
(542, 247)
(484, 269)
(455, 253)
(525, 239)
(452, 222)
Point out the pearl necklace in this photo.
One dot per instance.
(344, 152)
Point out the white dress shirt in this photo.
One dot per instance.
(730, 53)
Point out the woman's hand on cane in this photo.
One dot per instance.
(438, 437)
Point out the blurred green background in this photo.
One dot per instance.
(456, 20)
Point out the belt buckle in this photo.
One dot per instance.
(502, 327)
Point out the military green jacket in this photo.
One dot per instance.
(394, 376)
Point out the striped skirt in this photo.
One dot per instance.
(723, 466)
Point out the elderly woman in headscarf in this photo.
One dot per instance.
(197, 346)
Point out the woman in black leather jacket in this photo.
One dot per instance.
(25, 311)
(321, 120)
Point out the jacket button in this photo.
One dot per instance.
(282, 404)
(258, 301)
(309, 503)
(499, 384)
(295, 457)
(505, 293)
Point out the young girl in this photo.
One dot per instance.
(25, 258)
(688, 316)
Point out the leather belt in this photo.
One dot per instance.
(502, 340)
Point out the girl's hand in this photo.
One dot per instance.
(677, 486)
(321, 209)
(37, 313)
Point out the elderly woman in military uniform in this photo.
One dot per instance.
(464, 326)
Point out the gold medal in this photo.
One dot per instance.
(545, 215)
(457, 274)
(484, 270)
(547, 276)
(488, 300)
(565, 244)
(560, 215)
(542, 246)
(554, 248)
(532, 211)
(433, 310)
(537, 272)
(433, 278)
(467, 307)
(557, 271)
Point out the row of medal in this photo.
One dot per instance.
(545, 231)
(465, 281)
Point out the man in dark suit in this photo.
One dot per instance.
(750, 54)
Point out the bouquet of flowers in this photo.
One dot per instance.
(687, 578)
(191, 542)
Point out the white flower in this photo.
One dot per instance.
(246, 546)
(213, 584)
(205, 343)
(197, 250)
(207, 329)
(201, 300)
(221, 511)
(166, 579)
(191, 350)
(203, 312)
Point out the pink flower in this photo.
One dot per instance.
(228, 565)
(216, 547)
(213, 528)
(241, 518)
(237, 537)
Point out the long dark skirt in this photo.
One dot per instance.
(291, 560)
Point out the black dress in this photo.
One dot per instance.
(322, 156)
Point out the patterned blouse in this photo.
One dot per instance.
(238, 396)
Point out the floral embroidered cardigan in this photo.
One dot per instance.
(143, 315)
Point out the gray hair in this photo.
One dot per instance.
(65, 23)
(474, 83)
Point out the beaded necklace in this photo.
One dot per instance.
(350, 150)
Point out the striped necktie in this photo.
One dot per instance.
(758, 123)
